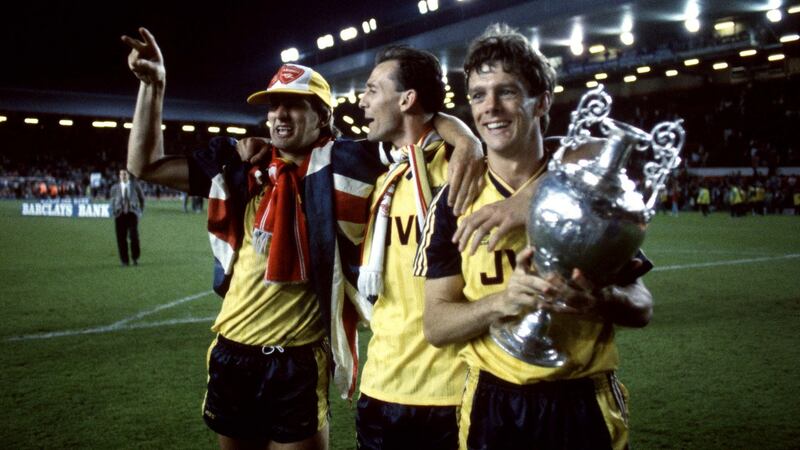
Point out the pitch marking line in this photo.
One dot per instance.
(124, 323)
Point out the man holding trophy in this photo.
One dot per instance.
(538, 393)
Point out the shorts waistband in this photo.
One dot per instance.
(262, 349)
(568, 385)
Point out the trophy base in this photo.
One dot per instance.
(538, 351)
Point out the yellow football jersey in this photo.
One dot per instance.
(589, 345)
(401, 366)
(256, 314)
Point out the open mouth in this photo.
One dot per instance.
(282, 131)
(499, 125)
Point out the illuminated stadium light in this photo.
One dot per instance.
(348, 120)
(776, 57)
(447, 87)
(671, 73)
(351, 97)
(558, 89)
(629, 78)
(423, 7)
(341, 100)
(600, 76)
(591, 84)
(720, 65)
(324, 42)
(626, 38)
(365, 27)
(450, 105)
(31, 120)
(355, 129)
(3, 118)
(793, 9)
(213, 129)
(627, 23)
(774, 15)
(433, 5)
(789, 38)
(188, 128)
(722, 26)
(290, 55)
(236, 130)
(449, 94)
(127, 125)
(348, 33)
(360, 96)
(365, 129)
(692, 25)
(691, 62)
(444, 74)
(65, 122)
(163, 127)
(268, 124)
(748, 52)
(373, 24)
(104, 124)
(643, 69)
(535, 42)
(599, 48)
(576, 39)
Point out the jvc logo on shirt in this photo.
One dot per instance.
(403, 226)
(498, 277)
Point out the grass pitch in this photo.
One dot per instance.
(100, 356)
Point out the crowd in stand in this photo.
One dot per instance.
(739, 125)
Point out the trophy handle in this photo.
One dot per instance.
(593, 108)
(667, 139)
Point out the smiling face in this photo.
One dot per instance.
(381, 104)
(506, 117)
(293, 122)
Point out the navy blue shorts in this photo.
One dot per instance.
(266, 393)
(387, 426)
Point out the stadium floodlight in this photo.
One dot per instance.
(591, 84)
(348, 33)
(629, 78)
(104, 124)
(423, 7)
(600, 76)
(163, 127)
(793, 9)
(355, 129)
(450, 105)
(433, 5)
(3, 118)
(127, 125)
(789, 38)
(691, 62)
(324, 42)
(720, 65)
(365, 27)
(348, 120)
(447, 88)
(626, 38)
(31, 120)
(213, 129)
(365, 129)
(236, 130)
(776, 57)
(671, 73)
(692, 25)
(449, 94)
(558, 89)
(722, 26)
(187, 128)
(373, 24)
(774, 15)
(351, 97)
(598, 48)
(748, 52)
(576, 39)
(65, 122)
(341, 100)
(290, 55)
(643, 69)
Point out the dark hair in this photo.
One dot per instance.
(325, 113)
(418, 70)
(503, 44)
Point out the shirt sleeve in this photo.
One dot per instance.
(437, 256)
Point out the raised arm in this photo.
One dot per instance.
(146, 158)
(467, 164)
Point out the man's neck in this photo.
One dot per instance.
(519, 165)
(413, 129)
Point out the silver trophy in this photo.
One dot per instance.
(589, 215)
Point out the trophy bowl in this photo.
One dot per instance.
(589, 215)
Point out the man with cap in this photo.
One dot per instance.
(268, 368)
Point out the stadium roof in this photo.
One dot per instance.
(66, 57)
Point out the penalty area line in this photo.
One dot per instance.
(727, 263)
